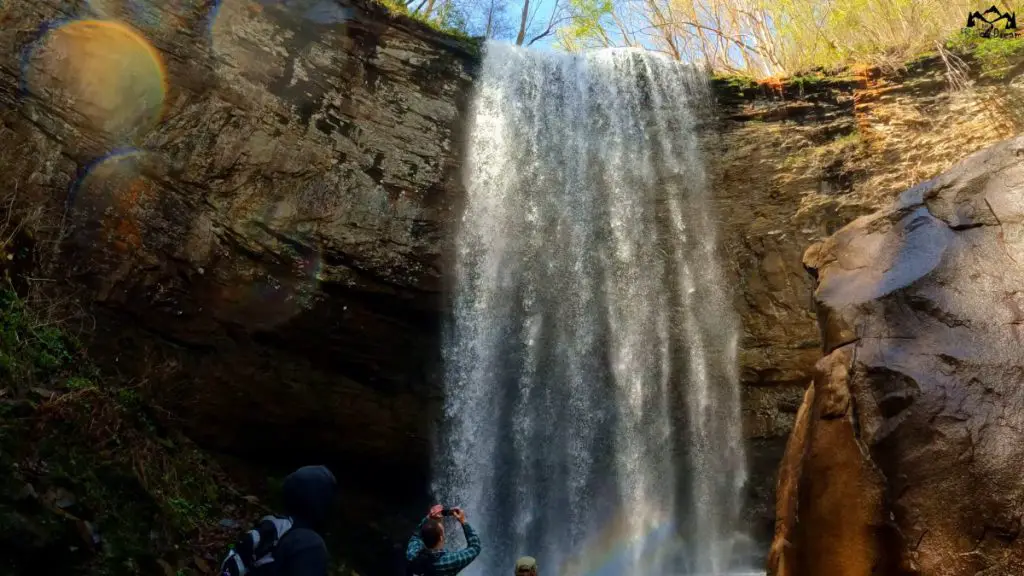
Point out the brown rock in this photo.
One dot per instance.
(89, 533)
(907, 455)
(271, 265)
(202, 565)
(268, 256)
(830, 507)
(166, 567)
(794, 163)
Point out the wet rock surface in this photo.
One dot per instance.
(907, 454)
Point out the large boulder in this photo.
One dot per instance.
(908, 452)
(794, 162)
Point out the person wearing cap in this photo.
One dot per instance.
(526, 566)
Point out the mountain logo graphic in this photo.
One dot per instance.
(986, 21)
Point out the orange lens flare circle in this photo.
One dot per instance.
(100, 74)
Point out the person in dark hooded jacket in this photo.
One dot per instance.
(289, 545)
(308, 495)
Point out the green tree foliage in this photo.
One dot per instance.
(997, 56)
(878, 32)
(756, 38)
(772, 37)
(586, 25)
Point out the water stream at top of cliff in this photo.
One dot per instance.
(592, 415)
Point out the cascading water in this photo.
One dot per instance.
(592, 403)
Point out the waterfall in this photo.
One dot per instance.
(592, 406)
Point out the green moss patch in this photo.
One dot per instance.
(996, 57)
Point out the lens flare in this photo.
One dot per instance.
(101, 74)
(284, 281)
(106, 204)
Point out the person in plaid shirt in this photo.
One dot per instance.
(426, 553)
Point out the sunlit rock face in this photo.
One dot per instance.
(791, 165)
(907, 452)
(256, 196)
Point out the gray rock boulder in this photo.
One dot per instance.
(908, 454)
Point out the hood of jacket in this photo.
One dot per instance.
(308, 495)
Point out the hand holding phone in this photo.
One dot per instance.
(459, 515)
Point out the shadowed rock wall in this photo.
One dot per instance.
(259, 232)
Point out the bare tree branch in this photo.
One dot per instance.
(551, 29)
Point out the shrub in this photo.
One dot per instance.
(81, 456)
(996, 56)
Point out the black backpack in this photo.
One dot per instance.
(253, 553)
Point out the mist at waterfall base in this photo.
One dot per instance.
(592, 413)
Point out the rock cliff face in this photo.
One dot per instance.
(259, 231)
(906, 458)
(793, 163)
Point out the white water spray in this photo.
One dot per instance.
(592, 400)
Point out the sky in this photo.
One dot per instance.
(543, 12)
(325, 12)
(544, 9)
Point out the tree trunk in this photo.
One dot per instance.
(490, 19)
(522, 23)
